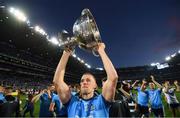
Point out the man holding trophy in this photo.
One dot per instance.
(87, 104)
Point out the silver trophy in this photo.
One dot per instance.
(85, 34)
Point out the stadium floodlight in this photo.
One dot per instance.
(179, 51)
(54, 40)
(74, 55)
(37, 28)
(88, 66)
(155, 64)
(18, 14)
(31, 27)
(82, 61)
(47, 37)
(162, 66)
(40, 30)
(2, 6)
(28, 22)
(78, 59)
(173, 55)
(12, 10)
(168, 58)
(99, 68)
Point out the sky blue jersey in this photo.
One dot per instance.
(93, 107)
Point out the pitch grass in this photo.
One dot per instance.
(168, 113)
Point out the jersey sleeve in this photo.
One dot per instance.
(107, 103)
(71, 100)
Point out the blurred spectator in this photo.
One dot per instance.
(177, 86)
(57, 107)
(171, 98)
(155, 98)
(10, 106)
(119, 107)
(45, 100)
(1, 94)
(142, 100)
(29, 106)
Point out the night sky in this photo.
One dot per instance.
(136, 32)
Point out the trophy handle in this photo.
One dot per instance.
(95, 53)
(94, 50)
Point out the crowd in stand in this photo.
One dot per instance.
(25, 85)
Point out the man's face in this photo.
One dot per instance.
(51, 88)
(1, 89)
(88, 84)
(166, 84)
(144, 87)
(151, 85)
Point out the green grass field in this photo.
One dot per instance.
(36, 111)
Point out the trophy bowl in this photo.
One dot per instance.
(85, 34)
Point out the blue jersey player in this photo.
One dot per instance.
(87, 104)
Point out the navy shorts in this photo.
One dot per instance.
(175, 105)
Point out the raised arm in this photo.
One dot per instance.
(51, 107)
(109, 86)
(61, 87)
(155, 82)
(36, 98)
(143, 85)
(134, 83)
(126, 94)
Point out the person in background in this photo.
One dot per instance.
(10, 106)
(155, 98)
(171, 98)
(177, 86)
(142, 99)
(1, 94)
(120, 107)
(45, 100)
(57, 107)
(29, 106)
